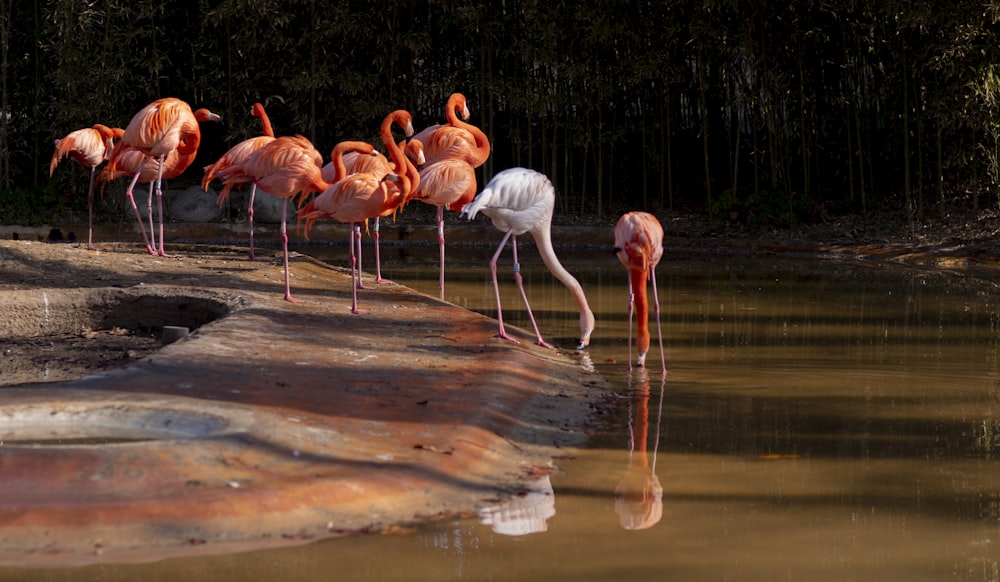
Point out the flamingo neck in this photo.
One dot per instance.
(642, 429)
(638, 278)
(543, 240)
(482, 150)
(339, 168)
(413, 174)
(265, 123)
(395, 152)
(455, 102)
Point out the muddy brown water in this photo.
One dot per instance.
(821, 420)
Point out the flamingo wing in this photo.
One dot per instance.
(86, 146)
(236, 154)
(447, 183)
(517, 200)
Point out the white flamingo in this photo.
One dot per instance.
(520, 200)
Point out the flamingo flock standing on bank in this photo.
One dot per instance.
(359, 185)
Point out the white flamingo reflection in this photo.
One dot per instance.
(525, 513)
(639, 495)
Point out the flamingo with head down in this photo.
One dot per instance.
(639, 245)
(89, 147)
(521, 201)
(132, 162)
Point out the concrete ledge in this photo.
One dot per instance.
(279, 423)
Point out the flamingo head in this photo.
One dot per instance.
(203, 115)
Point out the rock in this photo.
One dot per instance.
(266, 207)
(193, 205)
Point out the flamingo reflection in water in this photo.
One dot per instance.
(639, 495)
(525, 513)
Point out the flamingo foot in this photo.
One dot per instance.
(363, 286)
(290, 299)
(382, 281)
(162, 253)
(355, 310)
(502, 334)
(545, 344)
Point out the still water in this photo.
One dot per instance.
(820, 421)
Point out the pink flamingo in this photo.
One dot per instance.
(89, 147)
(163, 126)
(448, 177)
(132, 162)
(378, 165)
(287, 167)
(456, 138)
(354, 199)
(639, 246)
(520, 200)
(240, 152)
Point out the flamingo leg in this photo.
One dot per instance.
(440, 223)
(502, 333)
(135, 211)
(357, 236)
(149, 215)
(90, 210)
(631, 312)
(159, 205)
(253, 191)
(355, 261)
(524, 297)
(284, 248)
(378, 256)
(659, 331)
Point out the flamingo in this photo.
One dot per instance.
(455, 139)
(240, 152)
(89, 147)
(159, 128)
(519, 200)
(379, 165)
(448, 177)
(287, 167)
(639, 246)
(354, 199)
(132, 162)
(446, 183)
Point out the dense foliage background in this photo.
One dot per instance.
(767, 112)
